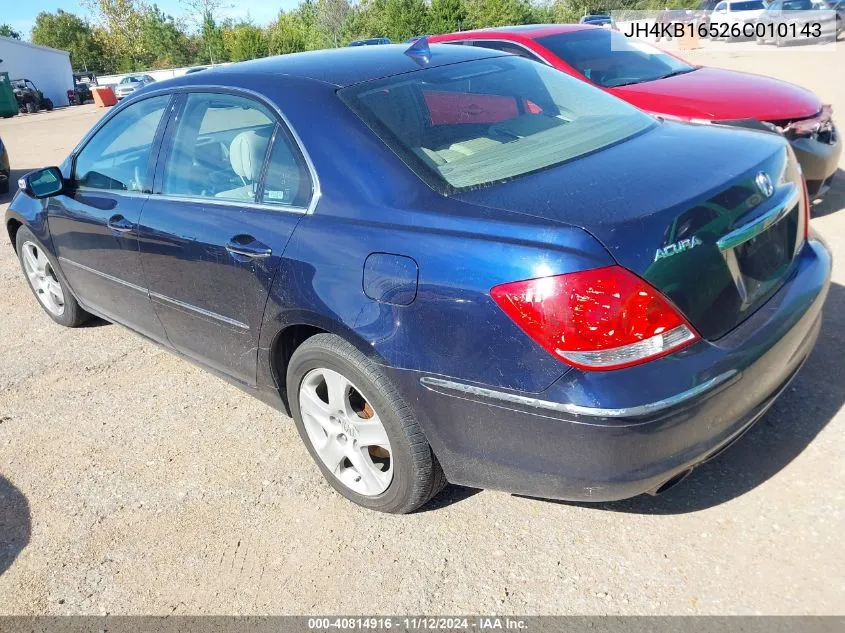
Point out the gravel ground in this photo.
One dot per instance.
(132, 482)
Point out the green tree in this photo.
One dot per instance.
(396, 19)
(331, 18)
(163, 41)
(244, 41)
(68, 32)
(287, 34)
(483, 13)
(6, 30)
(446, 16)
(211, 36)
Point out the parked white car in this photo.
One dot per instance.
(730, 12)
(130, 84)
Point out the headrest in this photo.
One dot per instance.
(246, 153)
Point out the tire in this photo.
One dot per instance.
(4, 187)
(416, 475)
(48, 104)
(30, 107)
(71, 313)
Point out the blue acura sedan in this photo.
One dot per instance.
(446, 263)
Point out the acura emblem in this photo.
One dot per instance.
(764, 184)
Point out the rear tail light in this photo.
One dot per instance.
(606, 318)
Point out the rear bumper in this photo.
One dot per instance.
(602, 436)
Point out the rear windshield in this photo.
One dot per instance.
(476, 123)
(610, 59)
(752, 5)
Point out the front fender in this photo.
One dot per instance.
(30, 213)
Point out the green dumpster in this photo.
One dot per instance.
(8, 103)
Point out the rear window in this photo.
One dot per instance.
(477, 123)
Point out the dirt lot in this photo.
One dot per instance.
(132, 482)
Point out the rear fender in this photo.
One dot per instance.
(445, 321)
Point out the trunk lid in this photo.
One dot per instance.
(686, 208)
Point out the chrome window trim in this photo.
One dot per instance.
(263, 206)
(464, 389)
(503, 41)
(317, 191)
(115, 192)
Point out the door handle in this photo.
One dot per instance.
(248, 246)
(120, 224)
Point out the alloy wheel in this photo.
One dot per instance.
(346, 432)
(43, 279)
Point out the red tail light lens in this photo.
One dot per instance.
(606, 318)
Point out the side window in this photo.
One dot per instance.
(288, 181)
(507, 47)
(722, 7)
(218, 148)
(117, 156)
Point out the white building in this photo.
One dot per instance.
(48, 68)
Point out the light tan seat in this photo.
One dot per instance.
(246, 154)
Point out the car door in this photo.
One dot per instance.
(94, 225)
(230, 188)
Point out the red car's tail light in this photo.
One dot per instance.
(606, 318)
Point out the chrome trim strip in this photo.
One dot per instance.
(125, 193)
(575, 409)
(192, 308)
(156, 295)
(227, 203)
(753, 228)
(93, 271)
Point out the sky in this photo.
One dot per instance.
(21, 15)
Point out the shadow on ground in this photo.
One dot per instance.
(15, 523)
(797, 417)
(834, 199)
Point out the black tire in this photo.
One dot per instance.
(30, 107)
(48, 104)
(73, 315)
(417, 476)
(4, 186)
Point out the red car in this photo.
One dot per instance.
(663, 84)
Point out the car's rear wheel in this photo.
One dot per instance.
(47, 286)
(48, 104)
(358, 429)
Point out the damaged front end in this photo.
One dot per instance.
(815, 141)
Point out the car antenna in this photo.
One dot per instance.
(419, 51)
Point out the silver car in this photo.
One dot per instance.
(130, 84)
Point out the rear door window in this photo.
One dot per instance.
(219, 148)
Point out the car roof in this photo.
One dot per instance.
(523, 31)
(344, 66)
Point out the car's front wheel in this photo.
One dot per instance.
(40, 271)
(358, 429)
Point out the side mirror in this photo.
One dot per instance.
(42, 183)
